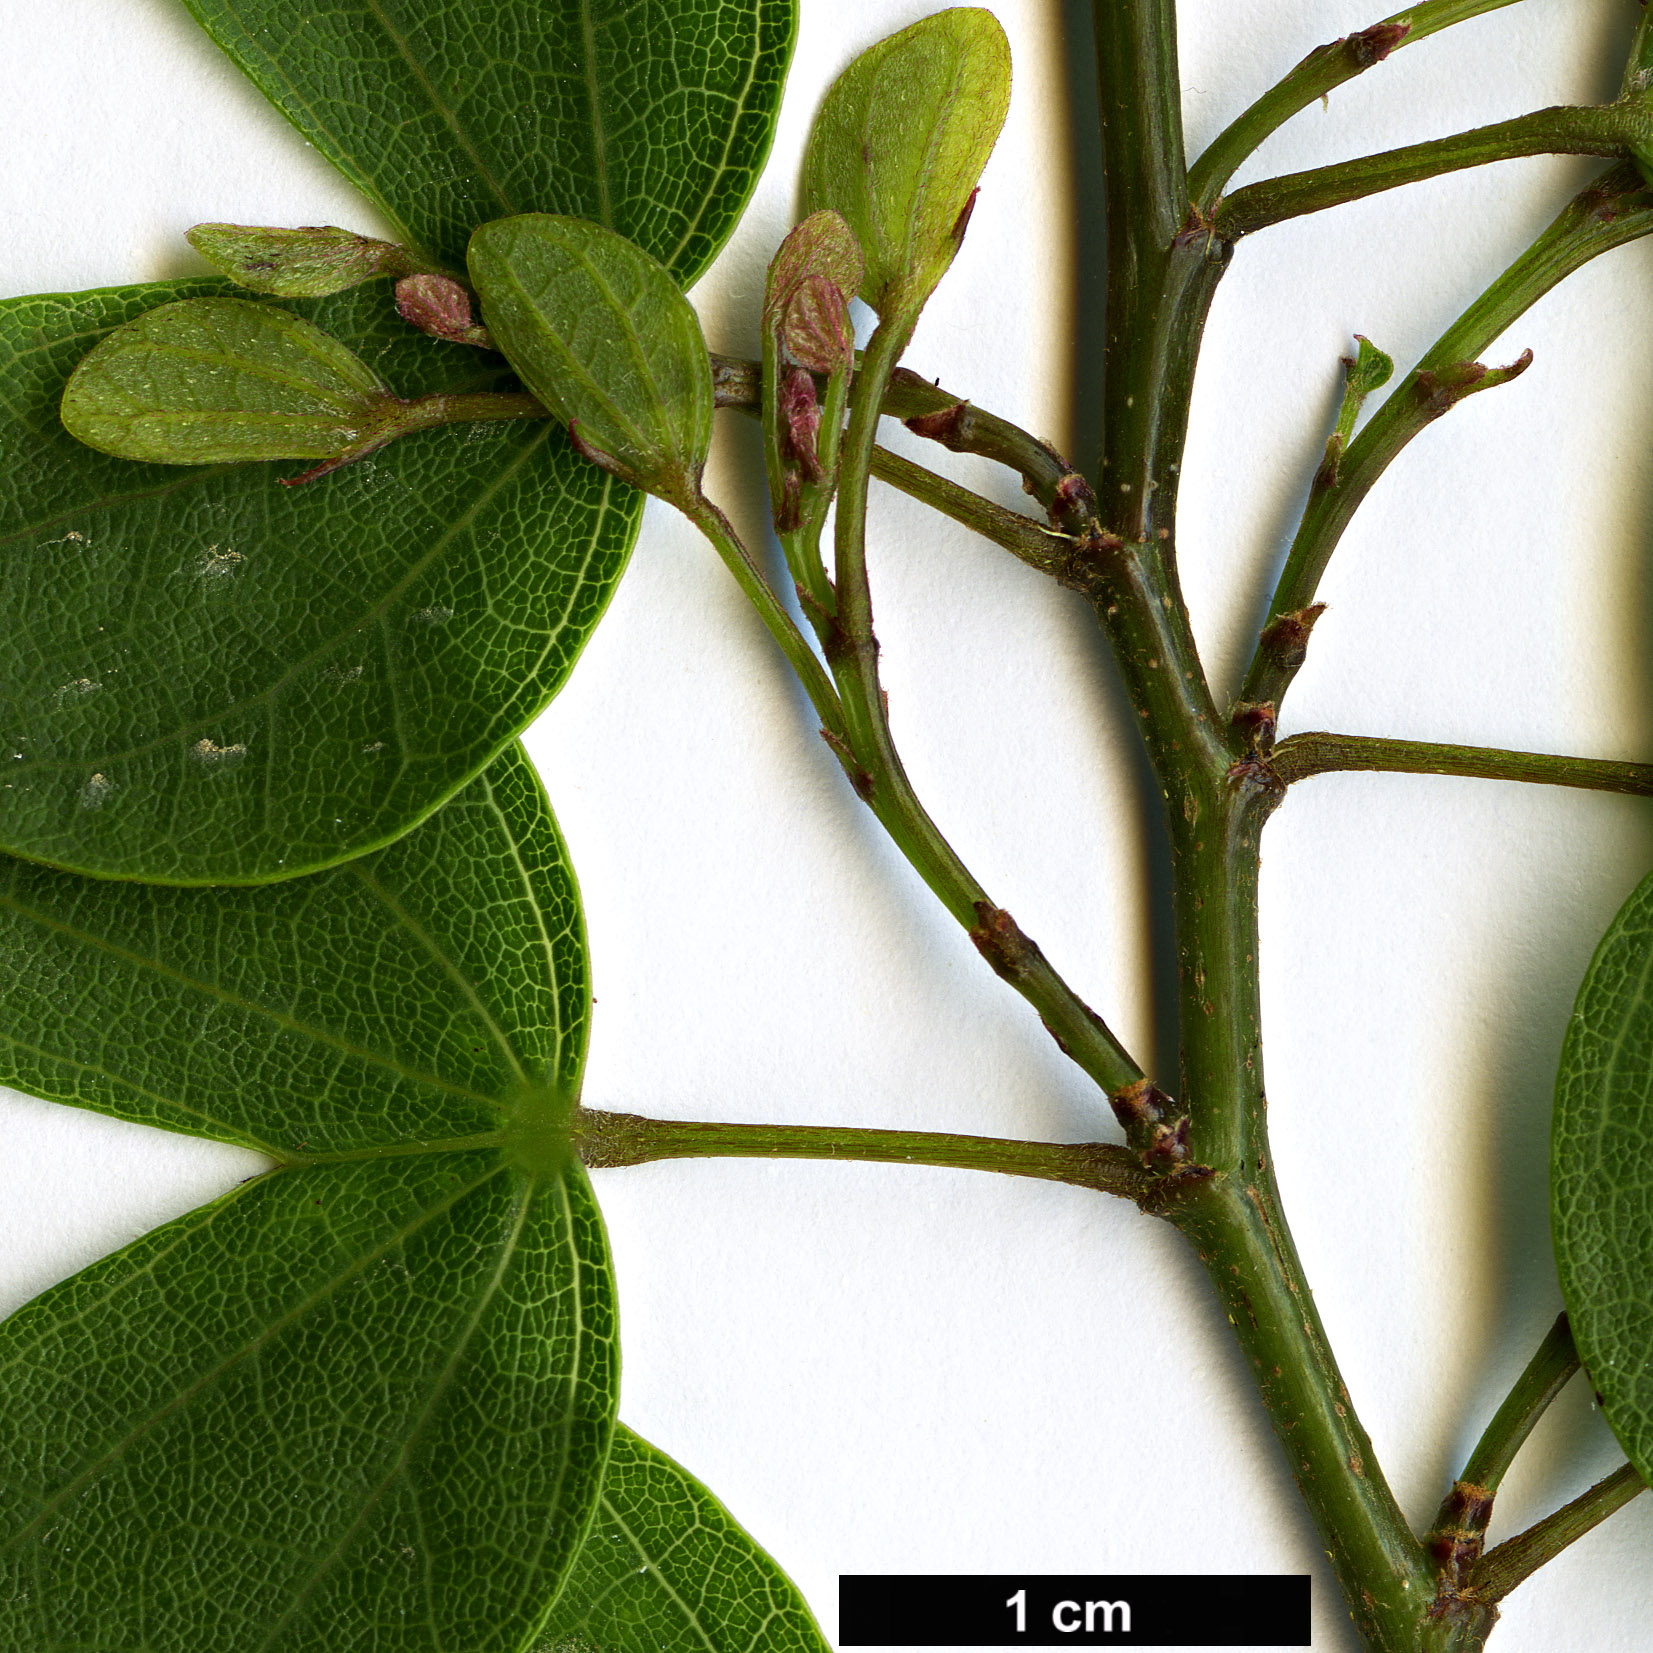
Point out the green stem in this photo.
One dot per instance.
(1218, 794)
(739, 561)
(1616, 209)
(1317, 76)
(1318, 753)
(1458, 1537)
(1235, 1224)
(1163, 269)
(956, 424)
(1544, 1378)
(616, 1139)
(1031, 542)
(867, 750)
(1512, 1563)
(1616, 131)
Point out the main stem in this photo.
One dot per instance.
(1163, 270)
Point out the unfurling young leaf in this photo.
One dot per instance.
(218, 380)
(303, 263)
(811, 280)
(1601, 1175)
(598, 331)
(900, 143)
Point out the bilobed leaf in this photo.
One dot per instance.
(210, 678)
(211, 381)
(599, 332)
(653, 118)
(1601, 1174)
(900, 142)
(364, 1401)
(666, 1569)
(313, 262)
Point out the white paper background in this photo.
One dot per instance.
(883, 1369)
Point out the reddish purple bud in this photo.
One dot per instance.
(801, 419)
(1373, 45)
(440, 307)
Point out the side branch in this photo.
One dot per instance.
(1317, 76)
(958, 425)
(1301, 756)
(1615, 209)
(1615, 131)
(1512, 1563)
(605, 1139)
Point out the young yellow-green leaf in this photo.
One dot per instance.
(599, 332)
(433, 992)
(211, 381)
(653, 117)
(358, 1406)
(210, 678)
(899, 145)
(666, 1569)
(1601, 1175)
(304, 263)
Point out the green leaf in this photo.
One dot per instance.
(599, 332)
(215, 679)
(210, 381)
(1601, 1175)
(653, 118)
(900, 142)
(426, 994)
(364, 1401)
(313, 262)
(666, 1569)
(356, 1407)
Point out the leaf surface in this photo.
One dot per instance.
(601, 335)
(358, 1406)
(652, 117)
(666, 1569)
(1601, 1175)
(211, 678)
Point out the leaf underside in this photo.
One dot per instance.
(1601, 1175)
(212, 678)
(653, 118)
(667, 1568)
(359, 1406)
(362, 1403)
